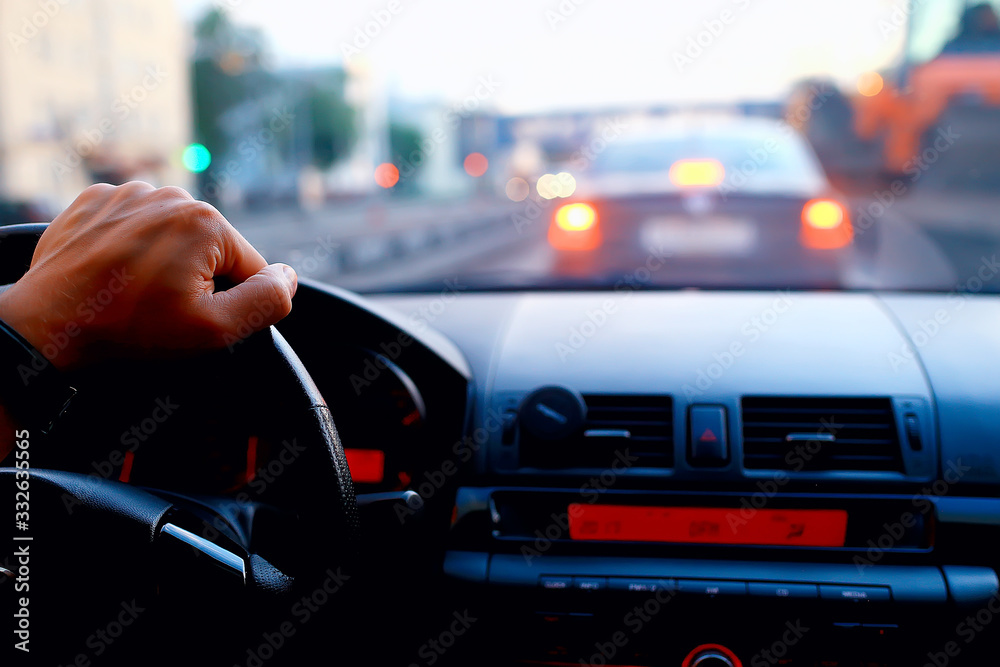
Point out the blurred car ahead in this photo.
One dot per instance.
(726, 200)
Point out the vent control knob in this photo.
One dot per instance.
(552, 413)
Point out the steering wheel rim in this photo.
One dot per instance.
(318, 488)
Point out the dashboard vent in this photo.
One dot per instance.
(810, 434)
(641, 424)
(649, 421)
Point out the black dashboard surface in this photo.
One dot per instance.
(923, 368)
(705, 347)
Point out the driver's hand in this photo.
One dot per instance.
(129, 271)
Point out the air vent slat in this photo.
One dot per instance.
(648, 420)
(595, 423)
(862, 434)
(831, 411)
(861, 457)
(811, 426)
(838, 443)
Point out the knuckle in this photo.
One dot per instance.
(198, 217)
(96, 192)
(98, 188)
(174, 192)
(204, 210)
(135, 187)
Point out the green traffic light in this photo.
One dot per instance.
(196, 158)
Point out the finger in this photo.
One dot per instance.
(239, 260)
(256, 303)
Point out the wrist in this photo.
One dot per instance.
(17, 314)
(13, 316)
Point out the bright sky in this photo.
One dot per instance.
(546, 54)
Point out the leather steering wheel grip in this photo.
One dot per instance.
(318, 484)
(317, 488)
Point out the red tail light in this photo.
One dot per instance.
(826, 225)
(575, 227)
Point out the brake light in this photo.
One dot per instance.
(574, 227)
(823, 213)
(825, 224)
(697, 173)
(576, 217)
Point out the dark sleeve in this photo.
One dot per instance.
(31, 388)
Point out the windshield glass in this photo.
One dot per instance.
(946, 25)
(658, 155)
(392, 145)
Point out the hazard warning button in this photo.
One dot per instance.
(708, 444)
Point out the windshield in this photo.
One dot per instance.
(393, 145)
(945, 25)
(790, 165)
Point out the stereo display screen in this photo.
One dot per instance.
(708, 525)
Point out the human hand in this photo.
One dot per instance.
(129, 272)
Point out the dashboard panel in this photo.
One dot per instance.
(677, 422)
(659, 478)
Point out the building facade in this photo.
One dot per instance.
(91, 91)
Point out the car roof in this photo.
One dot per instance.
(713, 126)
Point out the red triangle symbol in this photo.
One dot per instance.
(707, 436)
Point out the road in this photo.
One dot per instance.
(923, 240)
(381, 242)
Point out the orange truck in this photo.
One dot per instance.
(943, 98)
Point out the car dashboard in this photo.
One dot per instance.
(684, 477)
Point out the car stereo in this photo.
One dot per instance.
(578, 578)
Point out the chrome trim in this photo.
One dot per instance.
(551, 414)
(607, 433)
(226, 559)
(810, 437)
(711, 655)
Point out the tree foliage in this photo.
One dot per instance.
(333, 126)
(227, 71)
(404, 146)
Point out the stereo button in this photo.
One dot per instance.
(640, 585)
(770, 590)
(704, 587)
(872, 593)
(590, 583)
(556, 583)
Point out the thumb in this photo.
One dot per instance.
(256, 303)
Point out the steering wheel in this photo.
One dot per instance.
(115, 569)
